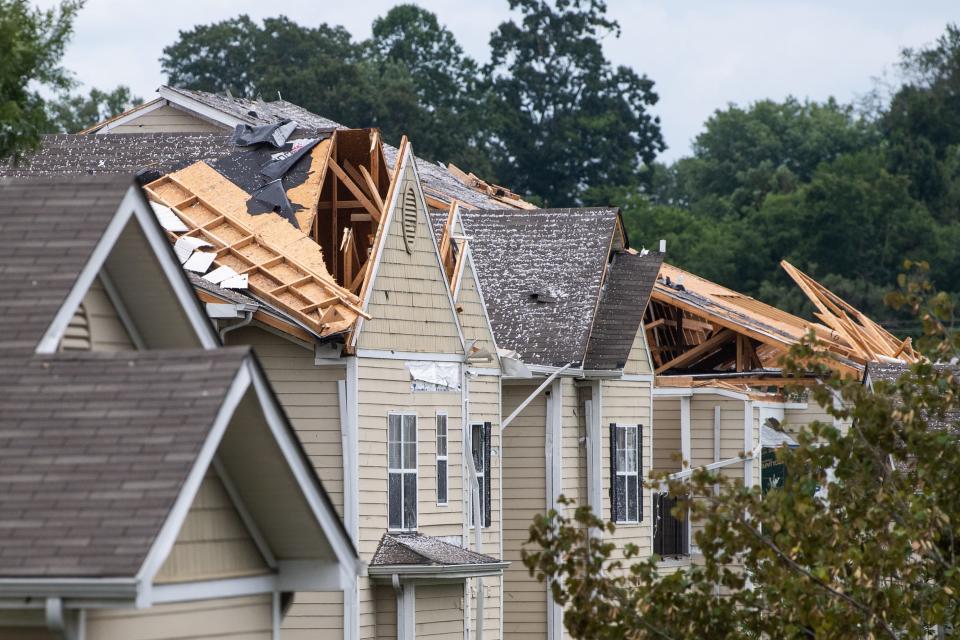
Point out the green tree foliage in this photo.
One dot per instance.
(567, 122)
(549, 115)
(73, 113)
(858, 543)
(33, 44)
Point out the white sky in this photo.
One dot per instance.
(702, 54)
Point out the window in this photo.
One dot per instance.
(402, 470)
(441, 458)
(626, 446)
(480, 445)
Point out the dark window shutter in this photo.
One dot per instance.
(487, 472)
(616, 491)
(639, 473)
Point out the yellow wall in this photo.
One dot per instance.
(666, 434)
(213, 543)
(167, 119)
(246, 618)
(439, 612)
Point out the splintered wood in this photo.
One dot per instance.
(873, 342)
(281, 268)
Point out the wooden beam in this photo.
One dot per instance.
(356, 191)
(372, 186)
(701, 349)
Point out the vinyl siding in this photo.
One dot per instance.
(247, 618)
(666, 434)
(384, 386)
(95, 325)
(627, 402)
(310, 398)
(213, 543)
(524, 494)
(409, 301)
(574, 441)
(638, 361)
(439, 611)
(795, 420)
(167, 119)
(386, 612)
(472, 317)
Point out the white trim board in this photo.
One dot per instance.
(388, 354)
(196, 106)
(131, 115)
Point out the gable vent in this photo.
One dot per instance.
(409, 212)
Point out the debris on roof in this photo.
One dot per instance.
(696, 326)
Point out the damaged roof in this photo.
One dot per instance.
(126, 153)
(623, 299)
(541, 271)
(417, 549)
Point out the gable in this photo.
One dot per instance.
(96, 325)
(473, 317)
(638, 361)
(213, 542)
(409, 299)
(162, 119)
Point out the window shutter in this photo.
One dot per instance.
(639, 473)
(487, 473)
(616, 492)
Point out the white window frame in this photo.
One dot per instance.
(404, 471)
(638, 464)
(445, 457)
(483, 474)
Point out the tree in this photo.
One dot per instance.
(868, 549)
(73, 113)
(565, 122)
(33, 44)
(411, 78)
(449, 123)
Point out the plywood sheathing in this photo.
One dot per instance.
(270, 254)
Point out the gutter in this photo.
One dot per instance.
(440, 572)
(86, 588)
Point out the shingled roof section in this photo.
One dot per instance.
(94, 449)
(259, 111)
(540, 271)
(418, 549)
(48, 229)
(623, 300)
(126, 153)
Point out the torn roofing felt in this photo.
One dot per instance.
(275, 134)
(540, 272)
(418, 549)
(623, 299)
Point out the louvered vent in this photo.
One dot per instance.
(409, 219)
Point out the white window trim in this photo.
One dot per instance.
(480, 474)
(636, 473)
(445, 457)
(402, 472)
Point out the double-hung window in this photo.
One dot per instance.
(480, 445)
(402, 470)
(626, 446)
(441, 458)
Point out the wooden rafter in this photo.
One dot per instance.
(701, 350)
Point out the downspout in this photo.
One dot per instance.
(56, 619)
(478, 512)
(247, 319)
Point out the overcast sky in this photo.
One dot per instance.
(702, 54)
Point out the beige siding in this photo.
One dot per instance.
(25, 624)
(410, 301)
(628, 402)
(472, 316)
(96, 326)
(524, 491)
(309, 397)
(639, 359)
(796, 419)
(666, 434)
(384, 386)
(213, 542)
(439, 612)
(386, 612)
(167, 119)
(574, 433)
(247, 618)
(312, 612)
